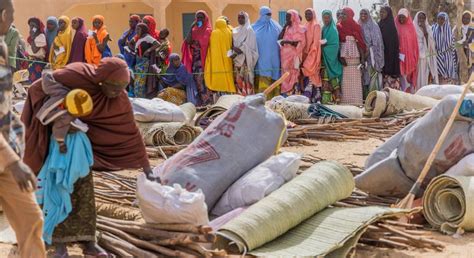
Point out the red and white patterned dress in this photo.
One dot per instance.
(352, 93)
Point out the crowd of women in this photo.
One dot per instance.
(338, 62)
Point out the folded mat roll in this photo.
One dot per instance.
(391, 102)
(448, 203)
(164, 134)
(321, 185)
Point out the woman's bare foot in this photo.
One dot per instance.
(92, 249)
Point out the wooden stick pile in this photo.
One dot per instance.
(352, 129)
(114, 188)
(136, 239)
(396, 234)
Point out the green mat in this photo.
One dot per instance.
(448, 203)
(332, 232)
(318, 187)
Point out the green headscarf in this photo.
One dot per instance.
(331, 49)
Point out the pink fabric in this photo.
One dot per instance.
(289, 54)
(201, 35)
(312, 51)
(408, 46)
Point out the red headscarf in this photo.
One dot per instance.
(408, 46)
(349, 27)
(116, 141)
(201, 35)
(40, 25)
(152, 27)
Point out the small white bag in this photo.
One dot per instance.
(166, 204)
(259, 182)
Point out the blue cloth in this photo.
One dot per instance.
(175, 75)
(467, 108)
(122, 42)
(51, 34)
(267, 31)
(107, 52)
(57, 177)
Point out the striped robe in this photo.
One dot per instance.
(446, 58)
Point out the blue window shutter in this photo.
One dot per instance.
(187, 20)
(282, 18)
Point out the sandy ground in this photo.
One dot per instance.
(355, 153)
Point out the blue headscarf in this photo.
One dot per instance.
(267, 31)
(50, 35)
(179, 75)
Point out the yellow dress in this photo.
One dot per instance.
(61, 48)
(218, 73)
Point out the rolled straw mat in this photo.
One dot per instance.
(165, 134)
(7, 235)
(391, 102)
(222, 104)
(292, 110)
(448, 203)
(321, 185)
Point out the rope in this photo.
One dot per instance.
(153, 74)
(453, 47)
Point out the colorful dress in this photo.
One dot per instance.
(145, 83)
(38, 58)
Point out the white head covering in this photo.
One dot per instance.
(427, 46)
(244, 38)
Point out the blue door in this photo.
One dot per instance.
(282, 18)
(188, 19)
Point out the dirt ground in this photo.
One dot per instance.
(355, 152)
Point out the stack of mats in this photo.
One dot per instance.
(295, 221)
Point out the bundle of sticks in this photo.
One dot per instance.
(352, 129)
(396, 234)
(114, 188)
(135, 239)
